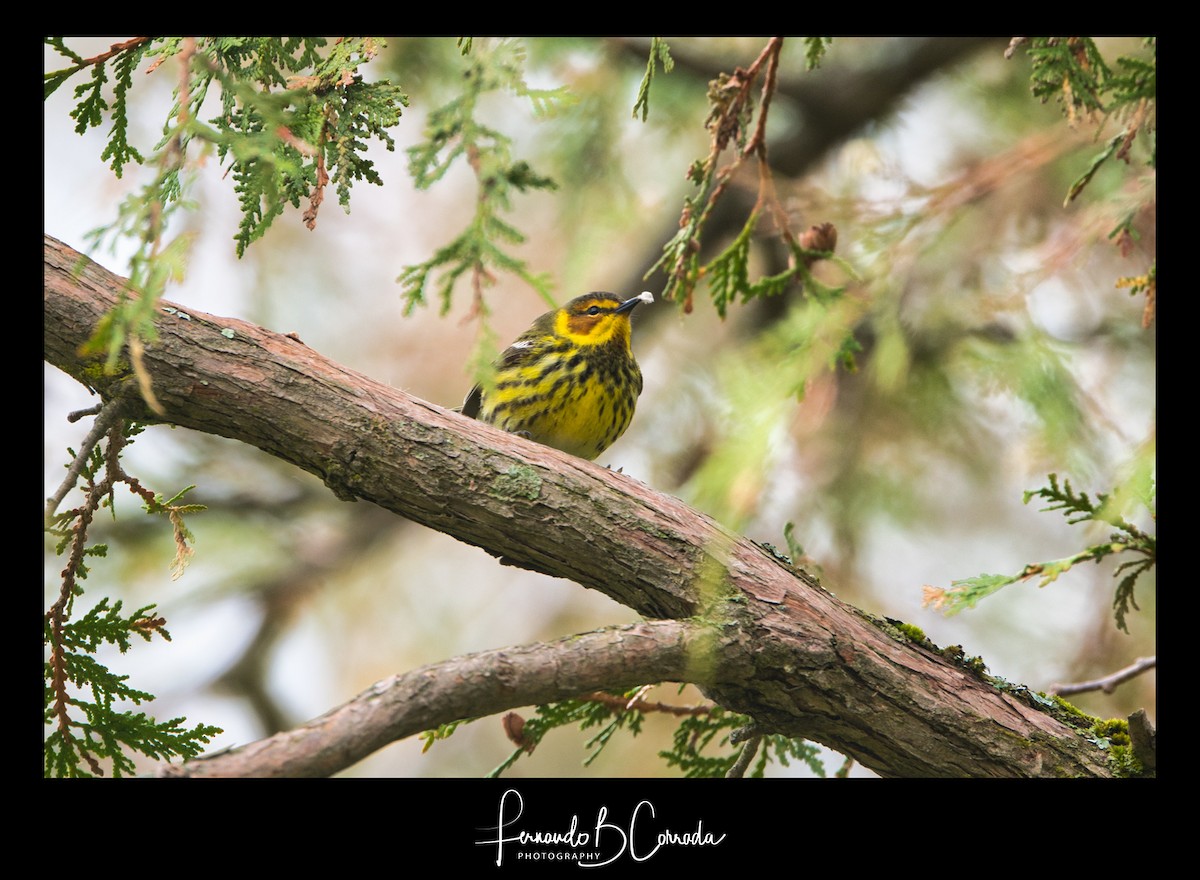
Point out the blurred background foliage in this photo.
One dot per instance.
(993, 347)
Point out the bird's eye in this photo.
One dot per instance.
(594, 310)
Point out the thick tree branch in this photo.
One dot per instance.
(778, 647)
(473, 686)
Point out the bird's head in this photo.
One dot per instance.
(597, 318)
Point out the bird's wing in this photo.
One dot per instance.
(521, 351)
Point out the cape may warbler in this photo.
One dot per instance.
(570, 380)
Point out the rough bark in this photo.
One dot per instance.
(761, 638)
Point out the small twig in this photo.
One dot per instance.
(638, 704)
(746, 732)
(749, 750)
(638, 694)
(107, 414)
(114, 49)
(480, 276)
(767, 195)
(1109, 682)
(758, 142)
(317, 197)
(78, 414)
(1013, 45)
(318, 193)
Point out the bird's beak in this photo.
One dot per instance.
(630, 304)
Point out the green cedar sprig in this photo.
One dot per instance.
(1072, 71)
(584, 713)
(92, 105)
(814, 51)
(295, 116)
(81, 695)
(736, 119)
(294, 120)
(1069, 69)
(728, 273)
(1077, 508)
(86, 731)
(660, 53)
(717, 729)
(613, 711)
(454, 133)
